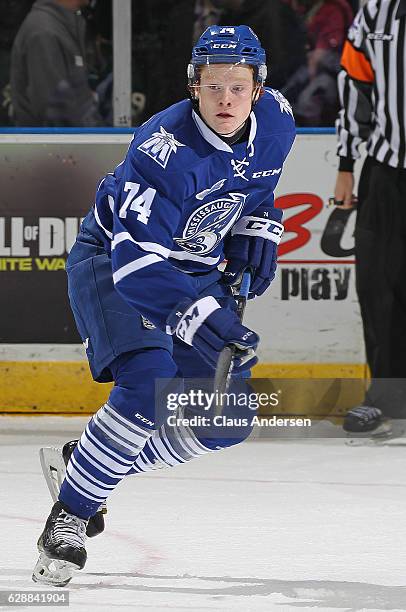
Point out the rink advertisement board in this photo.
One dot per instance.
(47, 188)
(310, 313)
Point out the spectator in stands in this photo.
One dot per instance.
(206, 13)
(280, 29)
(313, 91)
(99, 54)
(99, 39)
(49, 79)
(12, 14)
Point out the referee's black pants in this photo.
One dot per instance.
(380, 249)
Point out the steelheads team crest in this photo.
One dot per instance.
(209, 223)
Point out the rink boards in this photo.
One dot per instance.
(309, 321)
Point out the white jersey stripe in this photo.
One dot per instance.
(133, 266)
(96, 216)
(149, 247)
(184, 255)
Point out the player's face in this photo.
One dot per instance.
(225, 96)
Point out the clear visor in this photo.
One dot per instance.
(217, 77)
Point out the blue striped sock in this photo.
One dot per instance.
(169, 446)
(104, 455)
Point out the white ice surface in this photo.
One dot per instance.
(272, 526)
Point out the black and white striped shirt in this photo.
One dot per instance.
(372, 85)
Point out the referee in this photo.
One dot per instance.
(372, 89)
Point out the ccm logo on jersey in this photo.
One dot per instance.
(267, 173)
(255, 226)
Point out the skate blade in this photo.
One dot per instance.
(54, 469)
(380, 435)
(53, 572)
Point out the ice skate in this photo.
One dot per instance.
(62, 548)
(53, 463)
(367, 421)
(366, 425)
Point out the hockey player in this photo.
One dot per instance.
(196, 187)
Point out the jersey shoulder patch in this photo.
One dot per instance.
(160, 145)
(162, 137)
(162, 151)
(284, 104)
(274, 114)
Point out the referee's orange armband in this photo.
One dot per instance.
(356, 64)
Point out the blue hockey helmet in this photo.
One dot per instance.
(228, 45)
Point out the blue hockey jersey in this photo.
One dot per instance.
(166, 209)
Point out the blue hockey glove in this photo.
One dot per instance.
(254, 243)
(208, 327)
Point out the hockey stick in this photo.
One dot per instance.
(225, 360)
